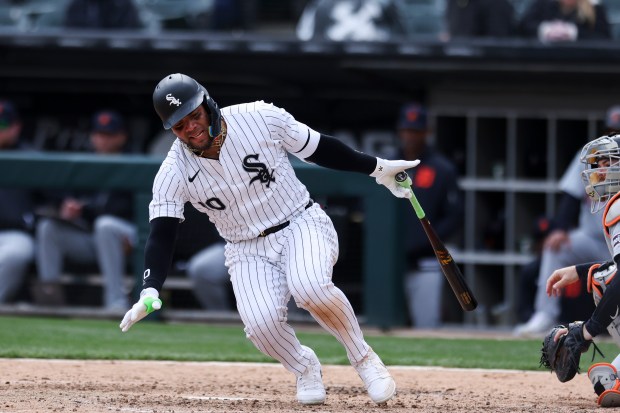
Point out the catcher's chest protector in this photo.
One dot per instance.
(599, 277)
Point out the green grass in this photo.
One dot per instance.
(26, 337)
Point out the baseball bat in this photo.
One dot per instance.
(449, 268)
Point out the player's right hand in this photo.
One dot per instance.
(385, 174)
(149, 301)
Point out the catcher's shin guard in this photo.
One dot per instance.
(604, 378)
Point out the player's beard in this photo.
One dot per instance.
(200, 148)
(195, 146)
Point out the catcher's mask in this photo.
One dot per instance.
(177, 95)
(601, 176)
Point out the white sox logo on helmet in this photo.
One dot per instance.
(173, 100)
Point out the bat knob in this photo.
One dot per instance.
(401, 177)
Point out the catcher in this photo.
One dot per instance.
(563, 346)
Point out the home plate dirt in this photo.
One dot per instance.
(28, 385)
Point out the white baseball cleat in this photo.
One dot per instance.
(310, 389)
(379, 383)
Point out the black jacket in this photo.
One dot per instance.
(16, 206)
(434, 183)
(480, 18)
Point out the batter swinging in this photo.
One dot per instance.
(232, 165)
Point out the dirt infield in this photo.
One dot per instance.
(121, 386)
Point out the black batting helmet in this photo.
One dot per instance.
(177, 95)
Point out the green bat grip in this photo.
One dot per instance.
(404, 180)
(148, 302)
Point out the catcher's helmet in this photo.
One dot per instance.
(177, 95)
(601, 177)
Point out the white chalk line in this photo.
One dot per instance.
(234, 399)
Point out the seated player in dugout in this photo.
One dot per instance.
(601, 179)
(436, 187)
(232, 164)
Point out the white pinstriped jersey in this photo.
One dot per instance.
(252, 186)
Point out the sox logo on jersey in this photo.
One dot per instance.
(262, 173)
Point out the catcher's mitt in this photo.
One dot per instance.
(563, 356)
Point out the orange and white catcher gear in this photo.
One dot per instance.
(599, 277)
(601, 177)
(604, 378)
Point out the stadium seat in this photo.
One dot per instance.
(520, 6)
(53, 18)
(43, 13)
(613, 16)
(423, 17)
(8, 16)
(176, 14)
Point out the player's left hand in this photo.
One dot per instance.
(149, 301)
(386, 171)
(559, 279)
(562, 349)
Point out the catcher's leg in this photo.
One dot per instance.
(604, 378)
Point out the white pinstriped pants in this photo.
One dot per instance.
(297, 261)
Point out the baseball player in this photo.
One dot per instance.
(232, 164)
(602, 183)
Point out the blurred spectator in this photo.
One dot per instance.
(89, 228)
(16, 213)
(210, 277)
(343, 20)
(102, 14)
(612, 120)
(435, 186)
(566, 245)
(576, 238)
(565, 20)
(528, 274)
(480, 18)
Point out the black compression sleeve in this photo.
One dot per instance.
(333, 154)
(607, 309)
(583, 269)
(159, 250)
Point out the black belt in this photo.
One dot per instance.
(283, 225)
